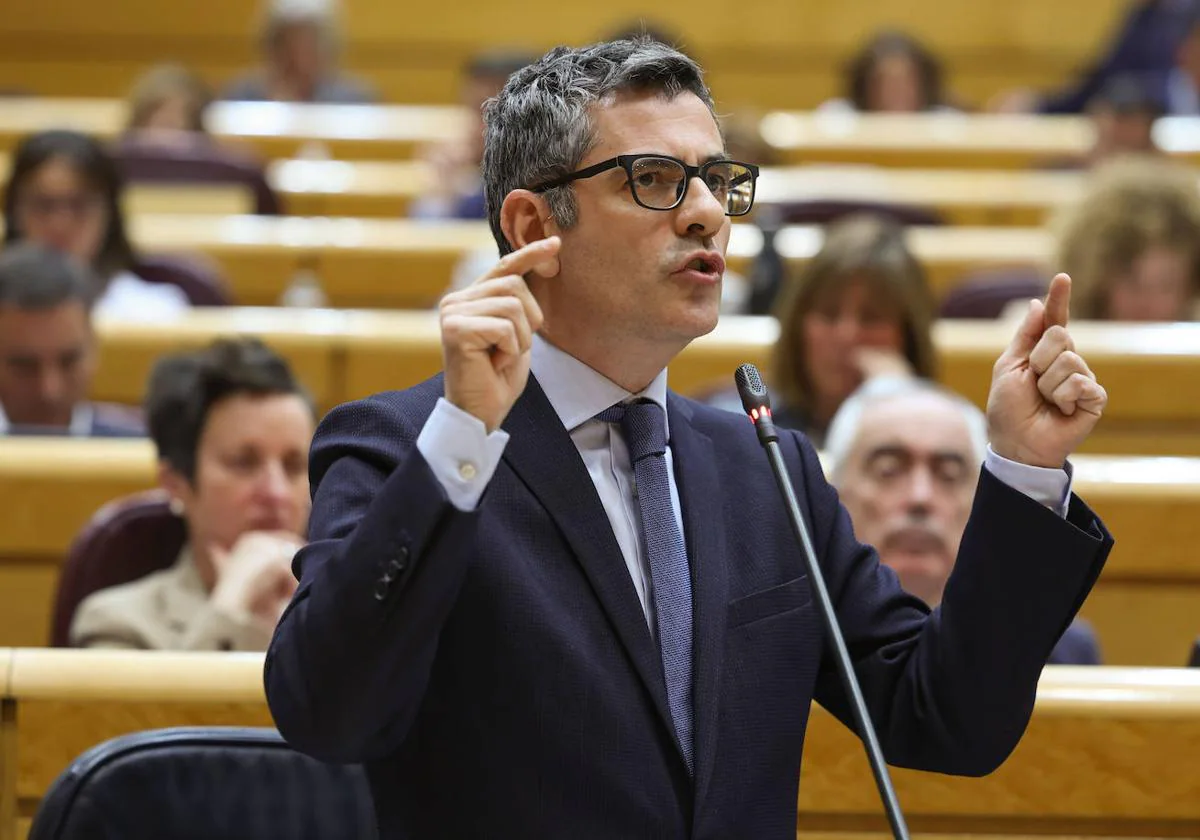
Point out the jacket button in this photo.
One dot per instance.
(395, 566)
(381, 589)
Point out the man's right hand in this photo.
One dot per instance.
(487, 333)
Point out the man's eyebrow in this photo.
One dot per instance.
(886, 450)
(715, 156)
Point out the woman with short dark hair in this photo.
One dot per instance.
(232, 428)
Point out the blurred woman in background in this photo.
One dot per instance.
(64, 191)
(169, 98)
(892, 74)
(1132, 243)
(859, 309)
(232, 428)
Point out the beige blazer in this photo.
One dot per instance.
(167, 610)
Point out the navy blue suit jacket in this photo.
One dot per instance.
(494, 670)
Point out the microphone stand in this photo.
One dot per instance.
(758, 405)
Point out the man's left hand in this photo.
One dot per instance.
(1045, 400)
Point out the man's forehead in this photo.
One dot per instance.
(916, 422)
(628, 118)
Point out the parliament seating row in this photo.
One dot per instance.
(767, 56)
(387, 190)
(1148, 369)
(1146, 607)
(1109, 751)
(397, 132)
(406, 264)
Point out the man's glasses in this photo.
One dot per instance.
(659, 182)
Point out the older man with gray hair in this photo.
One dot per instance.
(905, 455)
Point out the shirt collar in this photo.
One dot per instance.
(81, 421)
(578, 393)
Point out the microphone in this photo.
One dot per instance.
(757, 403)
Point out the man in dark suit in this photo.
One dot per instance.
(904, 455)
(568, 604)
(48, 349)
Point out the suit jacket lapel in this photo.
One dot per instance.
(540, 451)
(695, 458)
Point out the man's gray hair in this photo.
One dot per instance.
(36, 278)
(539, 127)
(844, 429)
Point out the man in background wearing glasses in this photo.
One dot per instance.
(547, 597)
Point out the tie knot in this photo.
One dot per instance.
(643, 426)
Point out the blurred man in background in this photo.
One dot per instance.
(905, 455)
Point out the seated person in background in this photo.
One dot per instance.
(168, 101)
(894, 74)
(1132, 243)
(1145, 46)
(232, 428)
(64, 191)
(457, 187)
(905, 456)
(299, 45)
(48, 349)
(860, 308)
(1123, 114)
(1182, 91)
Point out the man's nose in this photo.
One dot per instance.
(701, 213)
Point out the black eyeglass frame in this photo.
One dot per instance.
(627, 162)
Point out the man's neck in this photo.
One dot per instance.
(632, 365)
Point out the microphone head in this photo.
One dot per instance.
(752, 390)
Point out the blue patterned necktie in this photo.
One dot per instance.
(644, 428)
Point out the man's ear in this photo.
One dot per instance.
(525, 218)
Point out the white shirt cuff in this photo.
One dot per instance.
(460, 452)
(1049, 487)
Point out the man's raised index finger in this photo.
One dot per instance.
(525, 259)
(1058, 301)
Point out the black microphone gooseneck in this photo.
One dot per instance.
(757, 403)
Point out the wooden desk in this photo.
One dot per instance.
(1145, 607)
(955, 141)
(961, 197)
(129, 350)
(274, 130)
(405, 264)
(1107, 748)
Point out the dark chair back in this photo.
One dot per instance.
(200, 162)
(205, 783)
(198, 278)
(822, 212)
(126, 540)
(985, 294)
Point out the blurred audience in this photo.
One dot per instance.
(905, 457)
(1182, 91)
(457, 187)
(167, 141)
(299, 42)
(1145, 47)
(232, 428)
(169, 99)
(859, 309)
(893, 74)
(48, 349)
(65, 191)
(1123, 114)
(1131, 243)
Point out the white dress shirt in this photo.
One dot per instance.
(81, 421)
(464, 457)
